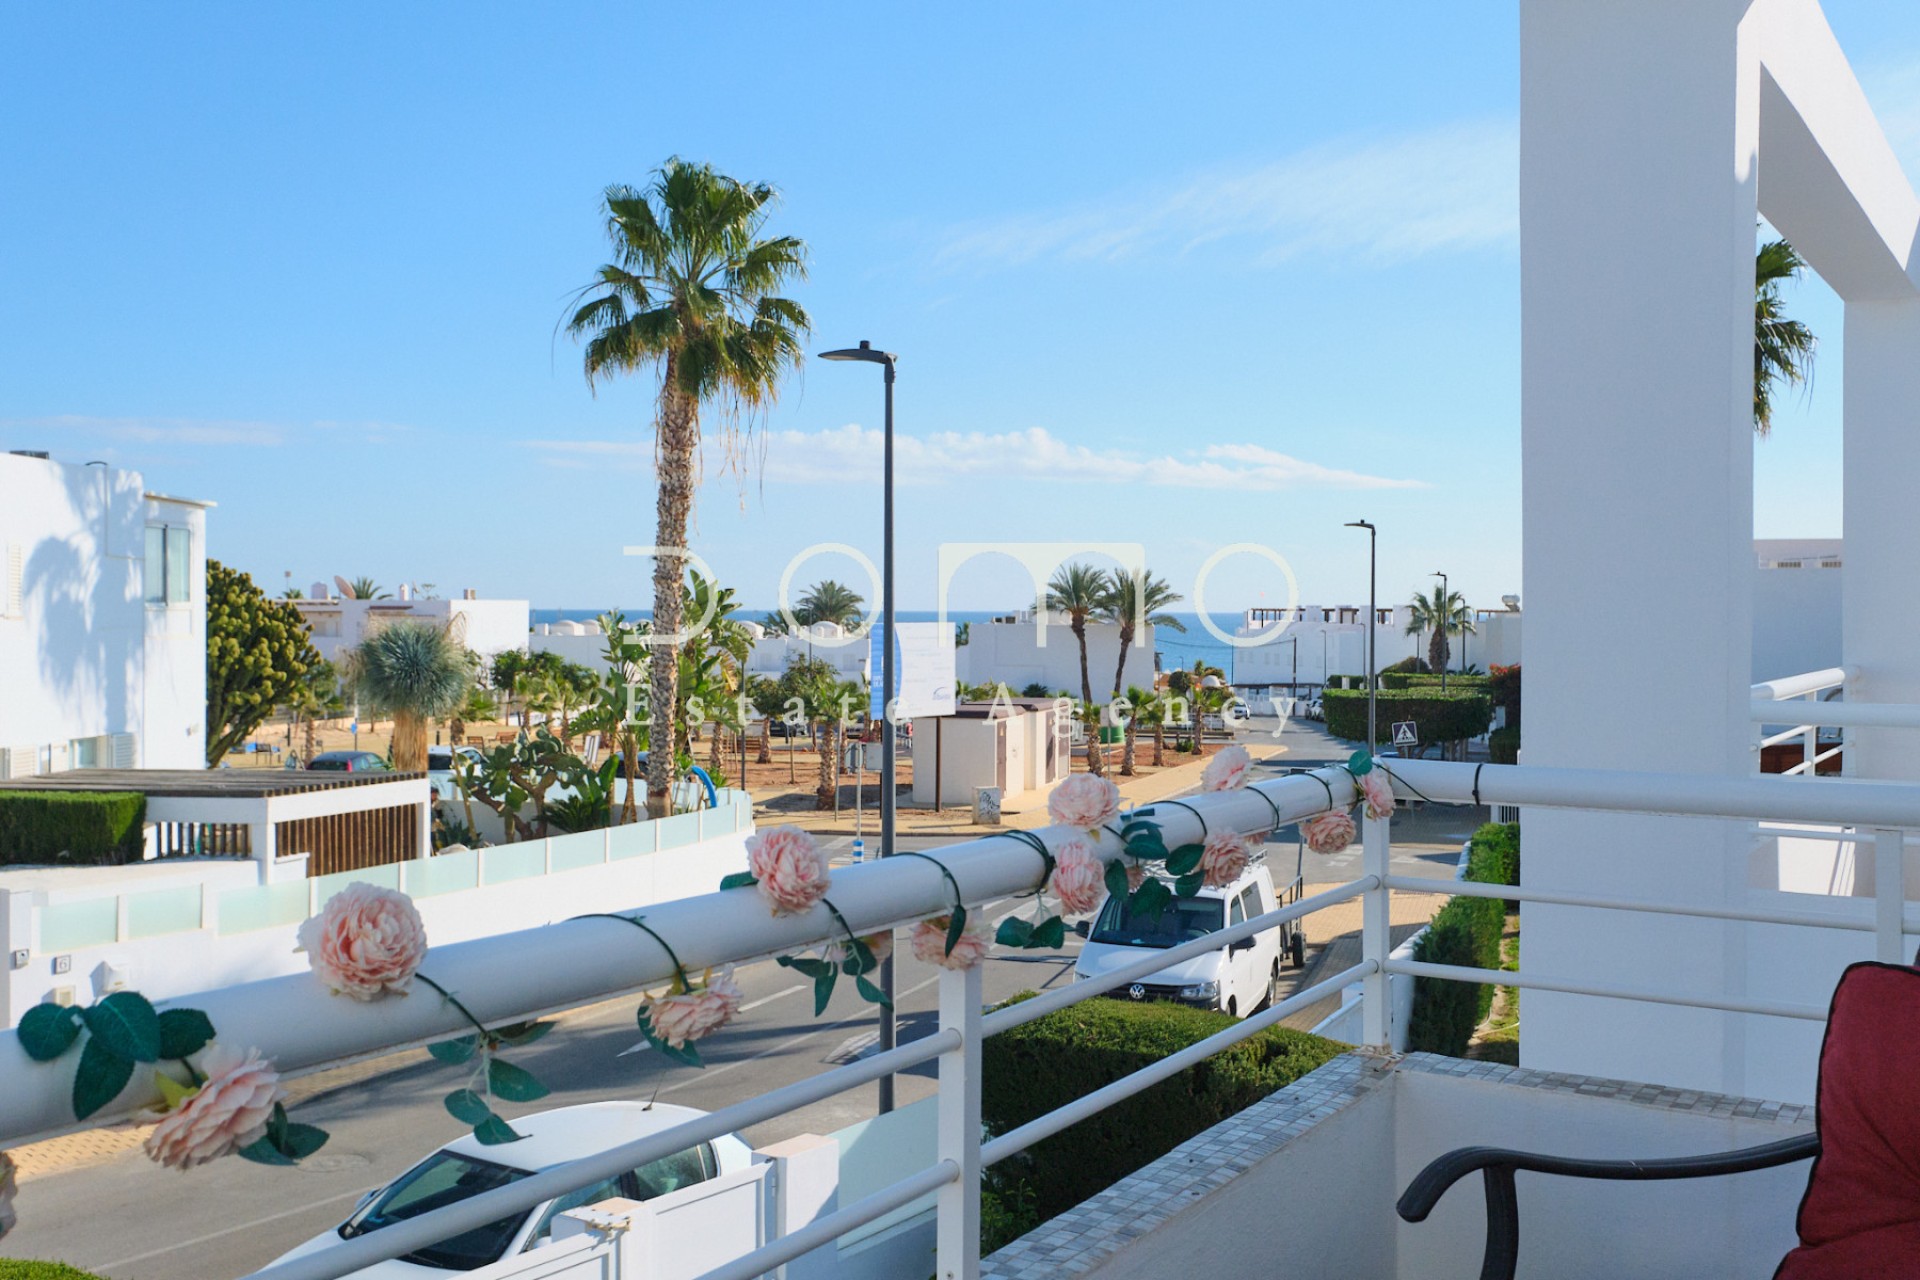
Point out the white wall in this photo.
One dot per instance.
(1016, 654)
(492, 626)
(85, 657)
(1796, 620)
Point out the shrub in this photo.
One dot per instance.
(1505, 685)
(1503, 745)
(1006, 1213)
(1051, 1061)
(93, 827)
(24, 1269)
(1465, 932)
(1407, 666)
(1437, 717)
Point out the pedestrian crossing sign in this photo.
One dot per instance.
(1404, 734)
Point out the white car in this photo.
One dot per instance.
(442, 766)
(465, 1168)
(1236, 979)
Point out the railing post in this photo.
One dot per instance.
(1889, 896)
(1810, 741)
(957, 1232)
(1376, 932)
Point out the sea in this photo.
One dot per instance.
(1177, 649)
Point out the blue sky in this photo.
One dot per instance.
(1185, 277)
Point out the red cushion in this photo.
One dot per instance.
(1860, 1217)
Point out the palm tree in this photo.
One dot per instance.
(1156, 719)
(1140, 709)
(293, 593)
(829, 601)
(692, 292)
(1131, 600)
(1439, 612)
(1081, 591)
(1782, 348)
(363, 589)
(416, 672)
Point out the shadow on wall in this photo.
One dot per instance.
(81, 592)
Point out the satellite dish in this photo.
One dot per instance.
(346, 588)
(1512, 602)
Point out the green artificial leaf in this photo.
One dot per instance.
(520, 1033)
(48, 1030)
(805, 966)
(1148, 844)
(302, 1140)
(872, 993)
(459, 1049)
(684, 1054)
(515, 1084)
(1050, 933)
(1150, 899)
(739, 880)
(823, 988)
(102, 1075)
(495, 1132)
(468, 1107)
(1013, 932)
(125, 1024)
(262, 1151)
(1188, 885)
(1184, 859)
(184, 1032)
(859, 958)
(955, 927)
(1116, 877)
(1360, 764)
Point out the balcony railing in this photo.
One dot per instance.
(559, 967)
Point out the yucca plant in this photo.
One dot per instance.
(415, 672)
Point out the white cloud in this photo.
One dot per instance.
(192, 431)
(852, 453)
(1383, 200)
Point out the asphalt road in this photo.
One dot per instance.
(132, 1220)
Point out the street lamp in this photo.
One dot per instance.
(1373, 620)
(867, 355)
(1446, 612)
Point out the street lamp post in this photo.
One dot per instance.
(1373, 623)
(866, 354)
(1446, 611)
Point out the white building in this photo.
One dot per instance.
(1276, 647)
(1026, 648)
(828, 642)
(1021, 746)
(103, 620)
(488, 627)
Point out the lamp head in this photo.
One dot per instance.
(863, 352)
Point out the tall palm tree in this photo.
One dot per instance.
(829, 601)
(1133, 599)
(1439, 612)
(1081, 592)
(1140, 710)
(363, 588)
(1782, 348)
(414, 671)
(693, 292)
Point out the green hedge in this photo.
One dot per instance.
(1454, 680)
(1503, 745)
(23, 1269)
(95, 827)
(1465, 932)
(1051, 1061)
(1437, 717)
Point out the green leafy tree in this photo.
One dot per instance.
(315, 696)
(1782, 348)
(830, 601)
(1081, 592)
(1439, 613)
(693, 293)
(416, 672)
(764, 696)
(257, 651)
(1130, 600)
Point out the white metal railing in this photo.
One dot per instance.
(543, 970)
(1811, 687)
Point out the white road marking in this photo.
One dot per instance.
(224, 1231)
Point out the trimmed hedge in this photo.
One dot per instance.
(26, 1269)
(1437, 717)
(1051, 1061)
(1454, 680)
(92, 827)
(1503, 746)
(1466, 932)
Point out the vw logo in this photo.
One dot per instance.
(1137, 991)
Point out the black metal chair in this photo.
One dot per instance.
(1503, 1209)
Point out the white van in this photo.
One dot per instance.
(1236, 979)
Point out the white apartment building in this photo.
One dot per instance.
(103, 620)
(489, 626)
(1026, 648)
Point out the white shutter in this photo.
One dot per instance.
(123, 751)
(20, 762)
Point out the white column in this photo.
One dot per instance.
(806, 1178)
(1638, 134)
(957, 1204)
(1880, 605)
(1376, 934)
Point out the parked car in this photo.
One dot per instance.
(443, 764)
(1239, 710)
(1316, 709)
(465, 1168)
(349, 762)
(1237, 979)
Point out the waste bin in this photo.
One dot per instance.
(986, 806)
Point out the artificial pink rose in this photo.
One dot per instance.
(1223, 858)
(791, 869)
(9, 1184)
(367, 940)
(226, 1113)
(1079, 877)
(1378, 793)
(930, 944)
(1083, 801)
(691, 1015)
(1330, 832)
(1227, 771)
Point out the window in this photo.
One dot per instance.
(1238, 914)
(1181, 921)
(168, 564)
(443, 1178)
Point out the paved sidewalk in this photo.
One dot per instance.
(1333, 944)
